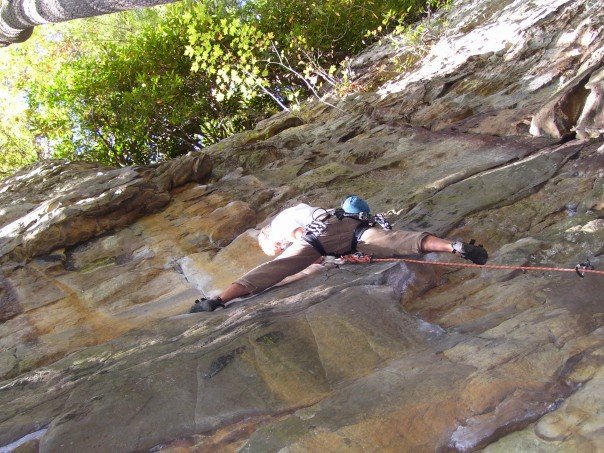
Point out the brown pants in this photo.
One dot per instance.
(336, 239)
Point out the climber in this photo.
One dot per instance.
(299, 236)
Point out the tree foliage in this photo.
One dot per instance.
(145, 86)
(18, 146)
(124, 100)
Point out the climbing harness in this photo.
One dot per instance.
(581, 269)
(319, 224)
(353, 207)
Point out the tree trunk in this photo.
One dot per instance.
(18, 17)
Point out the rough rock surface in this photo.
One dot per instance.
(495, 134)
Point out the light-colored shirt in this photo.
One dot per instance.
(289, 220)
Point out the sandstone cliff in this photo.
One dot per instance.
(495, 133)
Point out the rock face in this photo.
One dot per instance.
(495, 133)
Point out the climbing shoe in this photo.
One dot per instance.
(204, 304)
(467, 250)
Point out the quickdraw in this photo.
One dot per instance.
(581, 269)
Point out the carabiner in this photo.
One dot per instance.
(583, 267)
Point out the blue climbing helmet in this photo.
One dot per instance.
(353, 204)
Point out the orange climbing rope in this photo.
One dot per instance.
(580, 269)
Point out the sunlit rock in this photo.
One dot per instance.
(99, 266)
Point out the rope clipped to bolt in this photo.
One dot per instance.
(581, 269)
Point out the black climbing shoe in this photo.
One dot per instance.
(204, 304)
(475, 253)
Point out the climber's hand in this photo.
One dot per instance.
(475, 253)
